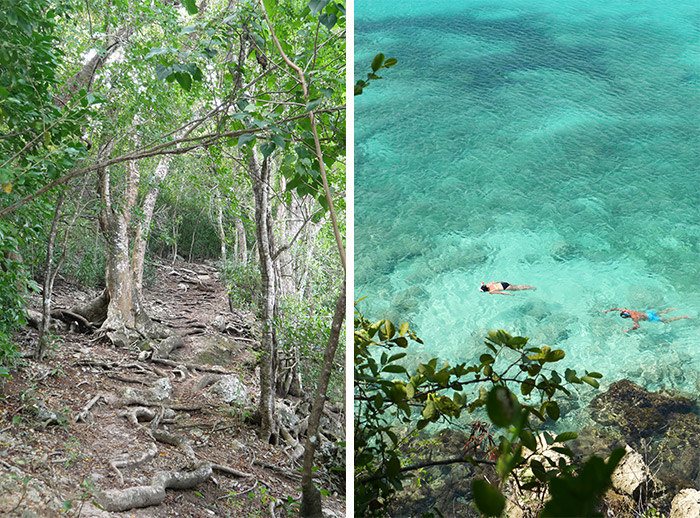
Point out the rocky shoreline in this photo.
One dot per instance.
(661, 471)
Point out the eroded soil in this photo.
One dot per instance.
(54, 461)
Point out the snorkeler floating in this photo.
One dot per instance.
(500, 287)
(651, 316)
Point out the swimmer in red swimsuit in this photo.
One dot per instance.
(636, 316)
(501, 287)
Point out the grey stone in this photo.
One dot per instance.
(161, 389)
(230, 390)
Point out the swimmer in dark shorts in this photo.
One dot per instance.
(636, 316)
(501, 287)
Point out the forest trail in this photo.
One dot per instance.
(94, 420)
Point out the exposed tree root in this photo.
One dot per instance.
(147, 456)
(175, 440)
(231, 471)
(167, 346)
(133, 414)
(116, 500)
(83, 415)
(193, 366)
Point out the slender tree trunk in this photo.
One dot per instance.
(241, 251)
(220, 224)
(144, 226)
(43, 343)
(311, 497)
(268, 365)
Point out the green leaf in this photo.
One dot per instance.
(191, 6)
(245, 138)
(162, 72)
(397, 369)
(565, 436)
(502, 407)
(570, 376)
(267, 148)
(488, 498)
(429, 410)
(270, 7)
(528, 440)
(184, 79)
(279, 140)
(312, 104)
(553, 410)
(390, 62)
(554, 356)
(486, 358)
(527, 386)
(393, 466)
(156, 51)
(594, 374)
(592, 382)
(328, 20)
(377, 62)
(317, 5)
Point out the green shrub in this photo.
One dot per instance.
(244, 284)
(13, 284)
(299, 325)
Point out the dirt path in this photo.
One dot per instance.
(148, 416)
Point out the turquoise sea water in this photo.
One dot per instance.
(555, 144)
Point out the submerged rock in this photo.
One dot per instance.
(638, 412)
(447, 487)
(663, 427)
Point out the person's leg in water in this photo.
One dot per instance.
(671, 319)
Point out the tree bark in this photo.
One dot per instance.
(241, 251)
(268, 365)
(49, 277)
(220, 224)
(311, 498)
(144, 226)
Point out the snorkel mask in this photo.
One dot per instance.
(484, 287)
(624, 314)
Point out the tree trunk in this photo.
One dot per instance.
(268, 365)
(241, 245)
(49, 277)
(125, 319)
(220, 224)
(144, 226)
(311, 498)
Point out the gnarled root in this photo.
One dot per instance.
(116, 500)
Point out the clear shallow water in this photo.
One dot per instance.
(555, 144)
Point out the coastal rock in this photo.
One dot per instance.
(662, 426)
(638, 412)
(632, 474)
(686, 504)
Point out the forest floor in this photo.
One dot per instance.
(56, 457)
